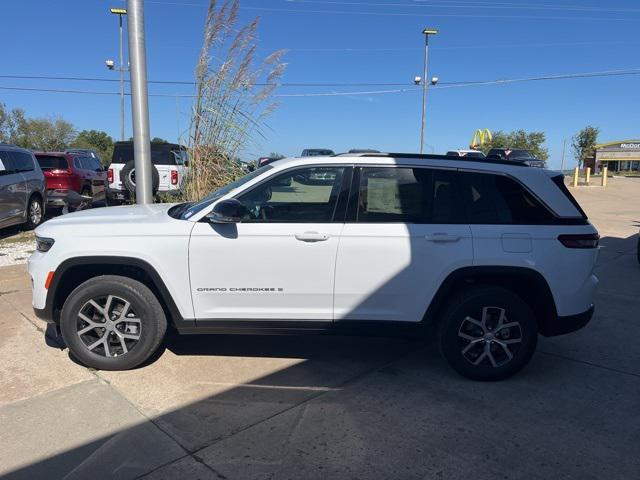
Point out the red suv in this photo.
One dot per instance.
(69, 171)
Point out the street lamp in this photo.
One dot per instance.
(426, 32)
(110, 65)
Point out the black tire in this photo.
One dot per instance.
(144, 305)
(128, 172)
(463, 341)
(35, 212)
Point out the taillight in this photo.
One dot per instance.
(589, 240)
(174, 177)
(110, 175)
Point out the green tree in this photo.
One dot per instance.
(584, 143)
(8, 123)
(97, 140)
(519, 139)
(46, 134)
(276, 155)
(158, 140)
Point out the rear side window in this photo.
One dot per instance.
(496, 199)
(23, 162)
(50, 162)
(408, 195)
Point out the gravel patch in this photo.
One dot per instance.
(15, 253)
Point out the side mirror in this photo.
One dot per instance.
(186, 163)
(227, 211)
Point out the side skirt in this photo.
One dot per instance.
(302, 327)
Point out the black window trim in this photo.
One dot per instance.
(348, 170)
(352, 207)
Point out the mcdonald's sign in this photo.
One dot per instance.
(480, 137)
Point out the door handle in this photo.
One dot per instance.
(311, 237)
(441, 237)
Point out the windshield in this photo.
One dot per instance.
(222, 191)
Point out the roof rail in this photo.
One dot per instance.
(433, 156)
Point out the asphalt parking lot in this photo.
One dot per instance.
(216, 407)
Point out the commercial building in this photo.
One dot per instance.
(620, 156)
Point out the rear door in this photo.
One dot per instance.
(405, 233)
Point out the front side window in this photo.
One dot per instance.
(304, 195)
(496, 199)
(408, 195)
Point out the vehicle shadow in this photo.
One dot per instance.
(319, 417)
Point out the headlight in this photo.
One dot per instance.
(44, 244)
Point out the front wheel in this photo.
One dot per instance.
(487, 333)
(112, 323)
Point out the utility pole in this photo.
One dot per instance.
(426, 32)
(120, 12)
(564, 146)
(139, 101)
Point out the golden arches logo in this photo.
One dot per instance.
(481, 137)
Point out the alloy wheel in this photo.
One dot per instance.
(493, 340)
(108, 326)
(35, 212)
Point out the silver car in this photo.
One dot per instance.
(22, 188)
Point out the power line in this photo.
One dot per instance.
(433, 15)
(437, 4)
(631, 71)
(464, 4)
(461, 84)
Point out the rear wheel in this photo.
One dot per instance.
(112, 323)
(487, 333)
(35, 212)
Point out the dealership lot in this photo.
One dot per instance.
(334, 407)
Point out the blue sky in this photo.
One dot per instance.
(358, 41)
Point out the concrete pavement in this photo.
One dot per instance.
(215, 407)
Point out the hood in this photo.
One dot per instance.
(106, 220)
(122, 214)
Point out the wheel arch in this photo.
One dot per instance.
(527, 283)
(75, 271)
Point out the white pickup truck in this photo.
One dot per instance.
(170, 162)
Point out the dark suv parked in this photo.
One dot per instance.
(72, 172)
(22, 188)
(515, 155)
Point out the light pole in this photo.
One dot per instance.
(120, 12)
(426, 32)
(139, 101)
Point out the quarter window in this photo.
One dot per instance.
(496, 199)
(408, 195)
(306, 195)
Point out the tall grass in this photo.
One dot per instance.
(229, 108)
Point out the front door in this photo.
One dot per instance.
(406, 233)
(279, 262)
(12, 190)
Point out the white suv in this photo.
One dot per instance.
(170, 165)
(492, 253)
